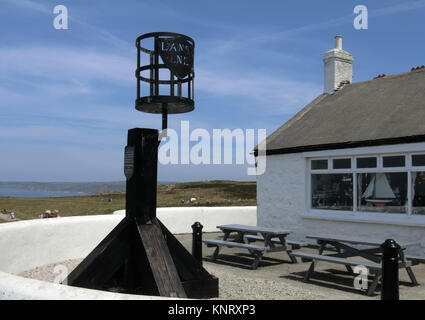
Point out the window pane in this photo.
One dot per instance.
(394, 161)
(418, 189)
(342, 163)
(319, 164)
(332, 191)
(369, 162)
(418, 160)
(382, 192)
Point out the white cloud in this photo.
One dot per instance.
(98, 32)
(66, 64)
(227, 46)
(32, 5)
(68, 71)
(403, 7)
(271, 94)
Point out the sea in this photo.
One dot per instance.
(18, 193)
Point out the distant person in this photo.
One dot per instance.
(110, 200)
(47, 214)
(56, 213)
(12, 215)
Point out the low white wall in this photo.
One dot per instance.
(282, 202)
(18, 288)
(180, 219)
(25, 245)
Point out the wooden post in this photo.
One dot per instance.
(140, 168)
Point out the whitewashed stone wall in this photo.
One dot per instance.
(282, 202)
(28, 244)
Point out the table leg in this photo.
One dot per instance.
(341, 253)
(288, 251)
(217, 249)
(293, 259)
(408, 269)
(257, 259)
(267, 240)
(375, 281)
(311, 269)
(239, 237)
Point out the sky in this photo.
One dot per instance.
(67, 95)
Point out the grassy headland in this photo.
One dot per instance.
(207, 193)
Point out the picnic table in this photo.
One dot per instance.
(273, 240)
(369, 249)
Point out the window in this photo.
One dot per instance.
(375, 184)
(319, 164)
(418, 160)
(393, 161)
(332, 191)
(369, 162)
(418, 190)
(342, 163)
(382, 192)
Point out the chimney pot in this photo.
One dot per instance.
(338, 42)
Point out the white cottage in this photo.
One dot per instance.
(351, 162)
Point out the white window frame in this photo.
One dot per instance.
(354, 171)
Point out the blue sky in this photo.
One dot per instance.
(67, 96)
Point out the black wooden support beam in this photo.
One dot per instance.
(164, 271)
(140, 255)
(98, 268)
(140, 168)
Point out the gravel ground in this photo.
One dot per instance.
(231, 286)
(275, 279)
(240, 288)
(51, 272)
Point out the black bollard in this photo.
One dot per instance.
(390, 270)
(197, 241)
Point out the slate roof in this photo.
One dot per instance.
(386, 110)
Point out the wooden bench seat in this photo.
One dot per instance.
(347, 262)
(416, 259)
(256, 251)
(294, 244)
(375, 268)
(231, 244)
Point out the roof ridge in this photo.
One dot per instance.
(392, 76)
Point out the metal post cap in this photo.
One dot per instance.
(197, 225)
(390, 244)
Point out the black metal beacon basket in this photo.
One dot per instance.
(168, 71)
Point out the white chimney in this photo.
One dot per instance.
(338, 66)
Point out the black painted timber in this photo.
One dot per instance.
(140, 255)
